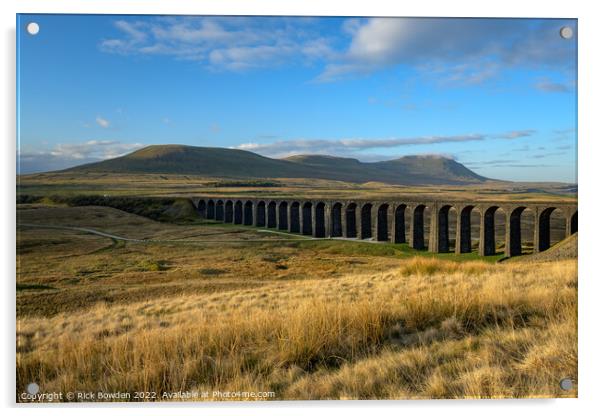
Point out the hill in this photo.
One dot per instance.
(565, 249)
(234, 163)
(430, 168)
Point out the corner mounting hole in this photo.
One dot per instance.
(566, 32)
(33, 28)
(33, 388)
(566, 384)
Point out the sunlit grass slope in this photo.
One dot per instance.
(426, 328)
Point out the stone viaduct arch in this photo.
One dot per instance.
(336, 220)
(487, 238)
(417, 227)
(238, 212)
(399, 224)
(248, 213)
(440, 235)
(219, 210)
(283, 215)
(572, 224)
(201, 209)
(544, 228)
(382, 223)
(260, 214)
(464, 228)
(272, 214)
(366, 221)
(320, 220)
(306, 219)
(294, 221)
(514, 229)
(486, 224)
(228, 212)
(211, 209)
(351, 220)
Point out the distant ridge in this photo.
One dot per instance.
(234, 163)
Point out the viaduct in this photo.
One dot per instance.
(384, 220)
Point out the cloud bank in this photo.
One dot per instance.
(65, 155)
(283, 148)
(221, 43)
(455, 50)
(467, 51)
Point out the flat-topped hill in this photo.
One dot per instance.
(234, 163)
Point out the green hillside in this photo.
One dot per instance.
(233, 163)
(431, 169)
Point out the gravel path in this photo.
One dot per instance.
(135, 240)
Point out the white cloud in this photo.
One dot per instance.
(517, 134)
(546, 85)
(466, 50)
(64, 155)
(284, 148)
(246, 57)
(134, 30)
(458, 51)
(103, 122)
(222, 43)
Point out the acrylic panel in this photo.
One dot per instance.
(216, 208)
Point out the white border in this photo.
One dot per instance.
(590, 71)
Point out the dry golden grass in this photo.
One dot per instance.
(425, 329)
(66, 270)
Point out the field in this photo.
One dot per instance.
(65, 183)
(62, 185)
(206, 307)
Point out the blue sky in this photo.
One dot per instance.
(498, 95)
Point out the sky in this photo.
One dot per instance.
(497, 95)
